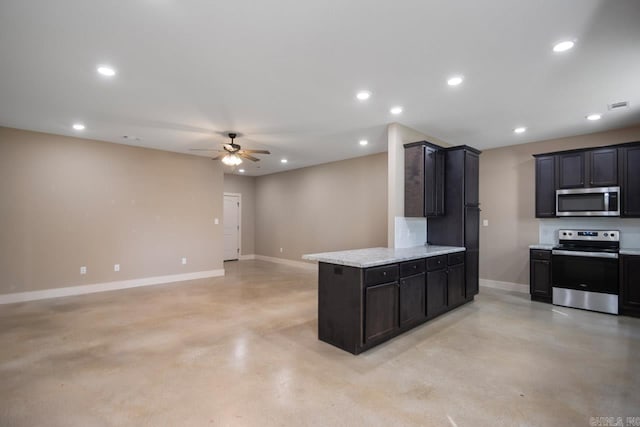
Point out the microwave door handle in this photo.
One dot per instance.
(606, 202)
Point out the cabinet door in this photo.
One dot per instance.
(545, 187)
(381, 310)
(630, 285)
(471, 178)
(472, 243)
(630, 180)
(430, 185)
(455, 285)
(603, 167)
(412, 299)
(540, 276)
(571, 170)
(414, 190)
(436, 292)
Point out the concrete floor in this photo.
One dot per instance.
(242, 350)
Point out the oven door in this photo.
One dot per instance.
(585, 271)
(601, 201)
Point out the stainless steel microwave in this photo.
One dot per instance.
(600, 201)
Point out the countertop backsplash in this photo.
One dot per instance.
(629, 228)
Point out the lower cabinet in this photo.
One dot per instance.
(359, 308)
(436, 292)
(412, 297)
(455, 285)
(630, 285)
(540, 285)
(381, 310)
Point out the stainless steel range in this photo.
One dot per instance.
(585, 270)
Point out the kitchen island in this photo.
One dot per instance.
(368, 296)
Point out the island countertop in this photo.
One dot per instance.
(371, 257)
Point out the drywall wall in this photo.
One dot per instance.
(246, 186)
(70, 202)
(507, 186)
(401, 231)
(329, 207)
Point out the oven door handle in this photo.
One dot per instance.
(585, 254)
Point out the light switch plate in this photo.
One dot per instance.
(485, 222)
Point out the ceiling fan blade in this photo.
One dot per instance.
(248, 157)
(256, 151)
(218, 157)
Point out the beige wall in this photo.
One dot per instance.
(329, 207)
(245, 185)
(69, 202)
(507, 200)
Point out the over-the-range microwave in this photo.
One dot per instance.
(600, 201)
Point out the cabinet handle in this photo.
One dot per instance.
(384, 273)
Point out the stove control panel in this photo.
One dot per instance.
(590, 235)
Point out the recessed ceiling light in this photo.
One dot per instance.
(283, 160)
(563, 46)
(363, 142)
(106, 70)
(594, 117)
(363, 95)
(78, 126)
(396, 110)
(520, 129)
(455, 81)
(241, 170)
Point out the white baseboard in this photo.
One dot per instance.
(106, 286)
(505, 286)
(289, 262)
(246, 257)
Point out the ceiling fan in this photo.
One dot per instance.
(233, 153)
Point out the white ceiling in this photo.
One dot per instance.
(284, 73)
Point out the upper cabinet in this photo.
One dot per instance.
(611, 166)
(630, 180)
(546, 186)
(423, 180)
(571, 170)
(603, 167)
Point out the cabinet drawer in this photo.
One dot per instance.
(410, 268)
(382, 274)
(541, 254)
(436, 262)
(457, 258)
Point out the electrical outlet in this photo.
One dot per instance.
(280, 250)
(184, 261)
(83, 270)
(116, 267)
(216, 221)
(485, 222)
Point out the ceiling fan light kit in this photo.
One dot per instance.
(231, 160)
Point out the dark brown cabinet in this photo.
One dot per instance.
(424, 180)
(359, 308)
(630, 285)
(455, 285)
(545, 186)
(461, 225)
(603, 167)
(412, 299)
(540, 284)
(629, 159)
(436, 292)
(381, 310)
(571, 170)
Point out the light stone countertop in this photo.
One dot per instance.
(630, 251)
(543, 246)
(371, 257)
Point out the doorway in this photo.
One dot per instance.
(231, 223)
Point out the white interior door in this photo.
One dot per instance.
(231, 221)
